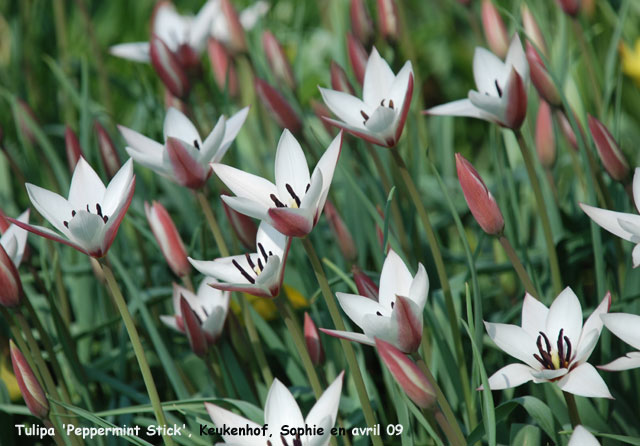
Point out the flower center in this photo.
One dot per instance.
(257, 266)
(296, 441)
(555, 359)
(380, 314)
(196, 144)
(498, 88)
(366, 116)
(295, 200)
(105, 219)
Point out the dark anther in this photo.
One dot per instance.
(392, 303)
(297, 441)
(105, 219)
(88, 209)
(277, 202)
(364, 115)
(568, 357)
(544, 358)
(249, 261)
(560, 345)
(391, 104)
(99, 209)
(378, 313)
(284, 441)
(196, 144)
(307, 188)
(269, 443)
(270, 253)
(260, 264)
(66, 224)
(263, 252)
(73, 213)
(293, 194)
(546, 341)
(243, 272)
(382, 103)
(498, 88)
(540, 360)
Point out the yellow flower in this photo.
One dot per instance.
(267, 309)
(631, 60)
(10, 382)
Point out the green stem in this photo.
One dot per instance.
(213, 224)
(350, 355)
(455, 435)
(542, 210)
(137, 348)
(574, 416)
(215, 371)
(518, 266)
(595, 89)
(265, 370)
(57, 438)
(444, 279)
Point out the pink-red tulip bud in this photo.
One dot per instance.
(4, 223)
(168, 238)
(541, 78)
(322, 112)
(480, 201)
(188, 58)
(388, 19)
(244, 227)
(365, 285)
(193, 329)
(312, 339)
(31, 390)
(10, 283)
(517, 106)
(570, 7)
(358, 57)
(494, 29)
(545, 137)
(168, 67)
(567, 130)
(237, 41)
(74, 151)
(277, 59)
(414, 383)
(361, 23)
(223, 68)
(108, 153)
(279, 108)
(188, 171)
(341, 232)
(26, 121)
(532, 30)
(610, 154)
(339, 81)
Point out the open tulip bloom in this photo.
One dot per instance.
(184, 157)
(397, 316)
(89, 219)
(501, 95)
(294, 203)
(626, 226)
(281, 409)
(259, 273)
(380, 115)
(553, 344)
(210, 305)
(14, 239)
(626, 327)
(582, 437)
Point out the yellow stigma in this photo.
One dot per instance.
(555, 359)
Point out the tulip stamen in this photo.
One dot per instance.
(277, 202)
(249, 261)
(243, 272)
(554, 359)
(260, 266)
(378, 313)
(196, 144)
(263, 252)
(498, 88)
(99, 213)
(293, 194)
(365, 116)
(392, 304)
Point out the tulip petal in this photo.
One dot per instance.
(177, 125)
(515, 341)
(48, 233)
(86, 186)
(246, 185)
(400, 85)
(291, 222)
(271, 239)
(135, 51)
(170, 321)
(636, 188)
(357, 307)
(512, 375)
(232, 128)
(144, 150)
(494, 106)
(349, 336)
(534, 315)
(419, 288)
(87, 230)
(395, 279)
(378, 77)
(545, 375)
(19, 237)
(625, 326)
(326, 407)
(290, 167)
(357, 131)
(594, 322)
(381, 120)
(461, 107)
(222, 417)
(408, 318)
(116, 192)
(327, 166)
(635, 255)
(281, 409)
(582, 437)
(517, 58)
(584, 380)
(212, 143)
(565, 314)
(223, 268)
(486, 66)
(346, 107)
(247, 207)
(201, 25)
(629, 361)
(610, 220)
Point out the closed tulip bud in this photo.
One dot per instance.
(168, 238)
(358, 57)
(279, 108)
(322, 112)
(339, 81)
(366, 287)
(237, 41)
(517, 105)
(532, 30)
(277, 59)
(480, 201)
(168, 67)
(541, 79)
(610, 154)
(570, 7)
(361, 23)
(189, 59)
(10, 283)
(223, 68)
(108, 153)
(545, 138)
(494, 29)
(388, 19)
(74, 151)
(414, 383)
(244, 227)
(31, 390)
(4, 223)
(312, 339)
(341, 232)
(567, 130)
(193, 329)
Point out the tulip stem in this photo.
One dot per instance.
(518, 266)
(213, 365)
(350, 355)
(442, 276)
(453, 432)
(265, 370)
(574, 416)
(542, 210)
(579, 32)
(129, 324)
(213, 224)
